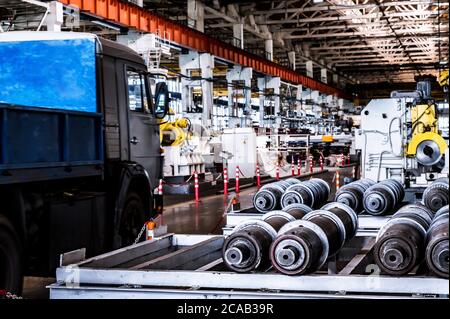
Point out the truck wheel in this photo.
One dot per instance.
(10, 258)
(133, 218)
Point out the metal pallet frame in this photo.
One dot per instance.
(189, 273)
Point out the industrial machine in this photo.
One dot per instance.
(182, 156)
(399, 138)
(80, 152)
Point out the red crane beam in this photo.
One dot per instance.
(143, 20)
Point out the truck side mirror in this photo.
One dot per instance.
(161, 107)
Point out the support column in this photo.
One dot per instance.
(309, 69)
(196, 15)
(268, 45)
(238, 34)
(323, 75)
(335, 79)
(265, 83)
(55, 17)
(298, 97)
(239, 73)
(192, 61)
(291, 58)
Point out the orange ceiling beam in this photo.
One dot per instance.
(132, 16)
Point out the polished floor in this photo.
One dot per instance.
(207, 216)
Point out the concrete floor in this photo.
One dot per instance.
(207, 216)
(183, 215)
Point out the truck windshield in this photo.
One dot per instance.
(57, 74)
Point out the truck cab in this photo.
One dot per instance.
(80, 155)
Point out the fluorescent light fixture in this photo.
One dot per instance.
(317, 1)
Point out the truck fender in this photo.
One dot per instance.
(130, 173)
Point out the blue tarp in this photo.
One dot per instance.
(56, 74)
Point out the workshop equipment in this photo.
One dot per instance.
(436, 252)
(247, 247)
(383, 197)
(401, 241)
(303, 246)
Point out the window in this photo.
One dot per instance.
(137, 93)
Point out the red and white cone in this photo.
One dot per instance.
(237, 180)
(160, 187)
(196, 190)
(292, 167)
(225, 181)
(258, 176)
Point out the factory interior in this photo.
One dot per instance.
(203, 149)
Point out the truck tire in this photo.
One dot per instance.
(11, 262)
(133, 219)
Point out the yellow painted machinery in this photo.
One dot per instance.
(426, 144)
(399, 138)
(174, 133)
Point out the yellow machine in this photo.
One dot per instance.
(443, 80)
(174, 133)
(426, 144)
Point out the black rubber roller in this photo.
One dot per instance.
(400, 242)
(303, 246)
(298, 194)
(383, 197)
(247, 248)
(313, 193)
(436, 253)
(298, 211)
(435, 196)
(268, 197)
(352, 194)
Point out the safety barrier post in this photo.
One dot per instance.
(311, 165)
(197, 196)
(277, 172)
(258, 176)
(237, 180)
(160, 187)
(225, 181)
(299, 166)
(292, 166)
(321, 163)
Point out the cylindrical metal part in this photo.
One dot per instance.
(313, 193)
(435, 196)
(352, 194)
(247, 248)
(298, 211)
(268, 196)
(302, 246)
(437, 249)
(383, 197)
(400, 242)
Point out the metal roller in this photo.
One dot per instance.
(435, 196)
(383, 197)
(312, 193)
(400, 242)
(269, 196)
(352, 194)
(297, 210)
(247, 248)
(303, 246)
(436, 252)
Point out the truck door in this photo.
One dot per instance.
(143, 128)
